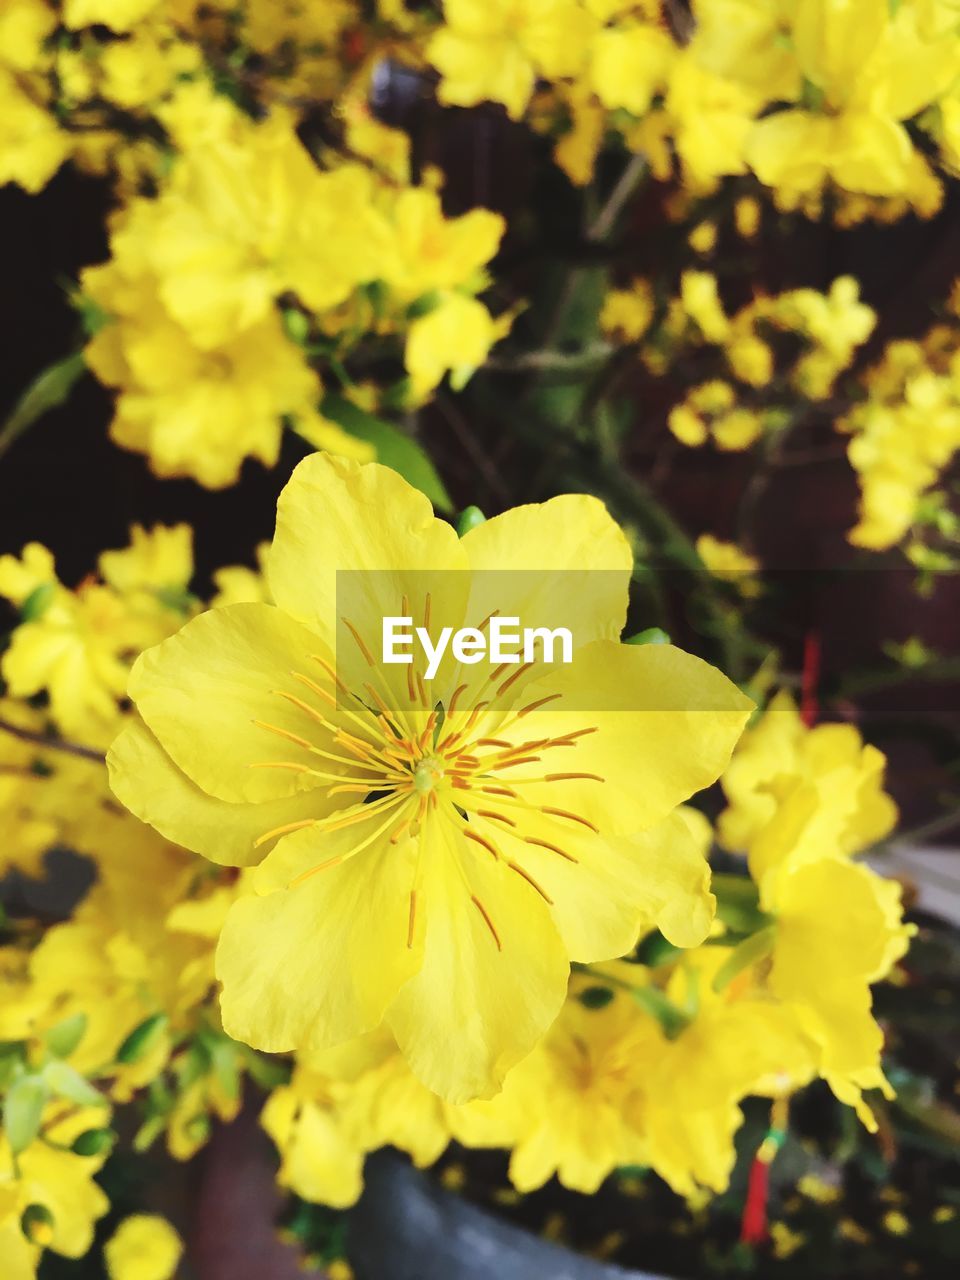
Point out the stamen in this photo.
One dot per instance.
(530, 880)
(510, 764)
(497, 817)
(280, 764)
(426, 612)
(315, 688)
(283, 733)
(565, 813)
(461, 688)
(489, 923)
(570, 777)
(321, 866)
(514, 678)
(493, 742)
(500, 791)
(412, 918)
(305, 706)
(331, 672)
(361, 644)
(554, 848)
(422, 691)
(541, 702)
(282, 831)
(482, 840)
(381, 705)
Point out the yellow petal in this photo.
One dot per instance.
(149, 784)
(663, 726)
(201, 691)
(312, 966)
(493, 978)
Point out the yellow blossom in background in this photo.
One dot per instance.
(727, 561)
(143, 1247)
(493, 50)
(628, 311)
(447, 907)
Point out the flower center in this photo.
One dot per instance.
(427, 773)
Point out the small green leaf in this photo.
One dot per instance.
(94, 1142)
(48, 390)
(226, 1067)
(142, 1038)
(748, 952)
(66, 1082)
(652, 635)
(394, 448)
(470, 518)
(23, 1111)
(37, 602)
(66, 1035)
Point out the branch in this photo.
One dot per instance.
(53, 744)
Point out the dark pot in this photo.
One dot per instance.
(407, 1227)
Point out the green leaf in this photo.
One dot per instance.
(66, 1082)
(748, 952)
(36, 603)
(226, 1067)
(394, 448)
(142, 1038)
(47, 391)
(66, 1035)
(23, 1111)
(93, 1142)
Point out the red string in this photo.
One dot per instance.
(810, 679)
(753, 1226)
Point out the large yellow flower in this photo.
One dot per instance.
(436, 850)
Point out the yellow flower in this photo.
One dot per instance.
(49, 1175)
(806, 793)
(493, 50)
(628, 311)
(701, 301)
(24, 27)
(28, 831)
(629, 65)
(408, 891)
(158, 559)
(838, 929)
(118, 15)
(429, 252)
(456, 335)
(32, 144)
(143, 1247)
(727, 561)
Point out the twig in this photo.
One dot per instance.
(53, 744)
(461, 429)
(604, 222)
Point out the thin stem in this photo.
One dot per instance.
(53, 744)
(630, 179)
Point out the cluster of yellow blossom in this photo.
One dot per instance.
(647, 1064)
(425, 880)
(207, 363)
(904, 435)
(830, 327)
(808, 95)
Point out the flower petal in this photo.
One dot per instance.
(201, 692)
(493, 978)
(149, 784)
(311, 966)
(658, 725)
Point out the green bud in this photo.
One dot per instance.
(652, 635)
(36, 1223)
(470, 518)
(94, 1142)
